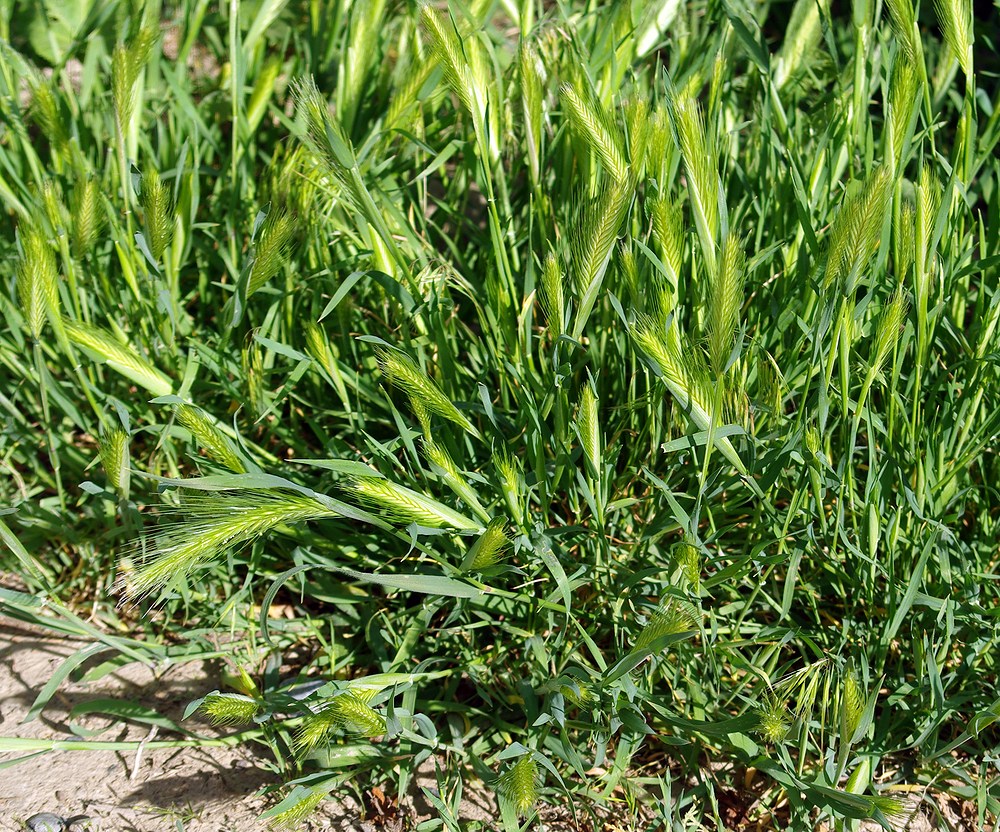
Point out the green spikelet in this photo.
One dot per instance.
(668, 231)
(683, 378)
(595, 243)
(271, 249)
(531, 72)
(577, 693)
(126, 64)
(596, 126)
(639, 126)
(589, 428)
(902, 99)
(87, 214)
(629, 269)
(725, 297)
(518, 785)
(206, 432)
(406, 99)
(698, 150)
(598, 232)
(773, 719)
(902, 17)
(488, 550)
(511, 483)
(348, 712)
(928, 201)
(37, 289)
(402, 505)
(688, 559)
(660, 148)
(318, 346)
(452, 476)
(892, 807)
(215, 524)
(552, 297)
(47, 113)
(401, 371)
(229, 708)
(262, 92)
(113, 448)
(296, 808)
(107, 349)
(55, 209)
(467, 73)
(955, 18)
(671, 618)
(906, 249)
(360, 55)
(154, 197)
(852, 706)
(857, 229)
(812, 441)
(887, 331)
(770, 384)
(801, 37)
(328, 141)
(423, 416)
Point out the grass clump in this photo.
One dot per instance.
(604, 394)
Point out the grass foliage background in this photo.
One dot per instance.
(610, 390)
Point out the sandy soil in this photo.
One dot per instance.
(208, 790)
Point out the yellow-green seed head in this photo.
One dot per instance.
(403, 372)
(518, 785)
(37, 288)
(120, 357)
(87, 214)
(348, 712)
(589, 428)
(113, 447)
(229, 708)
(853, 705)
(672, 617)
(295, 815)
(511, 483)
(688, 559)
(402, 505)
(489, 549)
(271, 248)
(157, 219)
(552, 294)
(773, 720)
(207, 433)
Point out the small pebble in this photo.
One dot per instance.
(45, 822)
